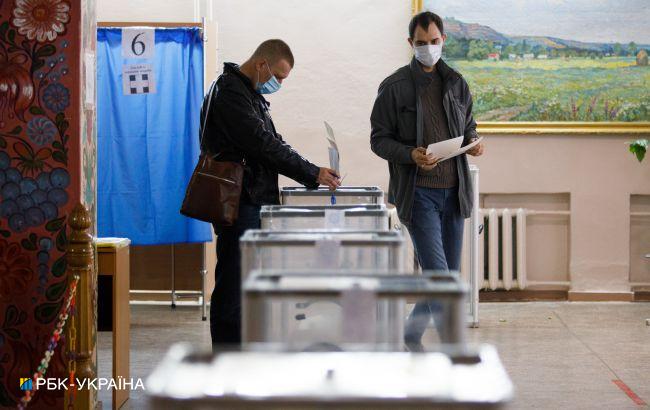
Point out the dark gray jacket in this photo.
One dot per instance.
(396, 129)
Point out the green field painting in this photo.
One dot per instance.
(577, 89)
(551, 60)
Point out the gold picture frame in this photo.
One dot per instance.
(564, 128)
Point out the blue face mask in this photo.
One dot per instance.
(269, 87)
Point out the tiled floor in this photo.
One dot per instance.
(559, 355)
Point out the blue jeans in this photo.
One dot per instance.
(225, 303)
(436, 228)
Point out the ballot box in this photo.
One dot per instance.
(323, 196)
(328, 308)
(448, 378)
(320, 249)
(351, 217)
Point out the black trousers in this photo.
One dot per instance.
(225, 303)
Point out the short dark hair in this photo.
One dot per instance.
(423, 20)
(274, 50)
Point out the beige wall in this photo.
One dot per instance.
(599, 175)
(344, 48)
(640, 241)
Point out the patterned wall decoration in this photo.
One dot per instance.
(40, 127)
(88, 113)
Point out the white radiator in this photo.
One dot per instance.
(502, 249)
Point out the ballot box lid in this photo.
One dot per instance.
(340, 191)
(345, 238)
(319, 210)
(334, 283)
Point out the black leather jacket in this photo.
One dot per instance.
(239, 126)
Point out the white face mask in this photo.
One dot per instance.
(428, 55)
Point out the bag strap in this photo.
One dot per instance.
(208, 103)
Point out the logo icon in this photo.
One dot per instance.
(25, 383)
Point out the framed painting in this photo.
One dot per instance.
(551, 66)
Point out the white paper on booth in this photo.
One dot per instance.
(138, 79)
(138, 42)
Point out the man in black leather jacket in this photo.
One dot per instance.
(239, 127)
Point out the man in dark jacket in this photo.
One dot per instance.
(239, 128)
(423, 103)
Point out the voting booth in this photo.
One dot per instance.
(150, 83)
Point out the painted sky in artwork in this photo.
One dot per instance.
(602, 21)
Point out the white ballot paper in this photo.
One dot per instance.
(333, 149)
(450, 148)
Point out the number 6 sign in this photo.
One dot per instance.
(138, 42)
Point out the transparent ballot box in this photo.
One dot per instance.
(372, 250)
(352, 217)
(323, 196)
(190, 380)
(328, 309)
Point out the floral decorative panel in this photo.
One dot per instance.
(40, 136)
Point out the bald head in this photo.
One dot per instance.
(271, 58)
(273, 51)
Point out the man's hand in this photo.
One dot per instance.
(477, 151)
(423, 160)
(329, 177)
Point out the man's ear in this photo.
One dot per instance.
(444, 38)
(259, 64)
(410, 40)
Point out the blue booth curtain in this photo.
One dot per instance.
(147, 144)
